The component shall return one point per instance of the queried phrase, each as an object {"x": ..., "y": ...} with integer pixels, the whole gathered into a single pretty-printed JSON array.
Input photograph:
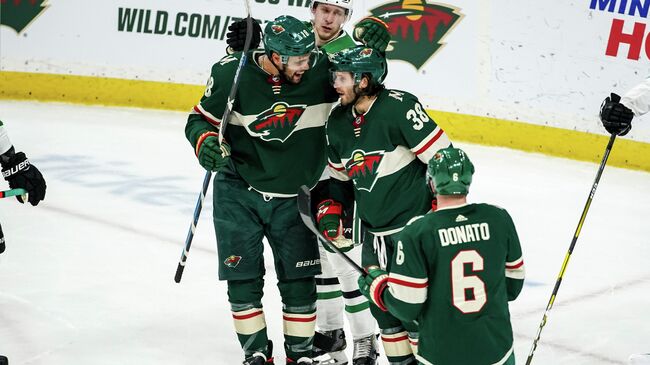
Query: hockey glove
[
  {"x": 372, "y": 32},
  {"x": 373, "y": 284},
  {"x": 616, "y": 117},
  {"x": 236, "y": 36},
  {"x": 212, "y": 156},
  {"x": 17, "y": 170},
  {"x": 331, "y": 225}
]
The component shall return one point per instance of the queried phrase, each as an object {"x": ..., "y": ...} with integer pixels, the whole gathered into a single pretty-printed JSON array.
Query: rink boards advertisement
[{"x": 482, "y": 67}]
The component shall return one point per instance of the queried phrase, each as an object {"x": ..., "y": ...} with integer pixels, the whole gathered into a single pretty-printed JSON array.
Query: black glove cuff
[{"x": 6, "y": 157}]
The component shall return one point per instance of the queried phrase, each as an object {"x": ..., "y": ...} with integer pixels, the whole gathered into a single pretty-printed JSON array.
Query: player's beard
[
  {"x": 355, "y": 95},
  {"x": 291, "y": 77}
]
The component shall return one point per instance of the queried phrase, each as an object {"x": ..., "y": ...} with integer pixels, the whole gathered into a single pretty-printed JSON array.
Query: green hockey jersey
[
  {"x": 385, "y": 152},
  {"x": 276, "y": 129},
  {"x": 454, "y": 270}
]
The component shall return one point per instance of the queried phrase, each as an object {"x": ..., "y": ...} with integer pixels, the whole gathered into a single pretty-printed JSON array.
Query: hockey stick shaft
[
  {"x": 304, "y": 208},
  {"x": 558, "y": 282},
  {"x": 222, "y": 130},
  {"x": 235, "y": 85},
  {"x": 190, "y": 232},
  {"x": 12, "y": 192}
]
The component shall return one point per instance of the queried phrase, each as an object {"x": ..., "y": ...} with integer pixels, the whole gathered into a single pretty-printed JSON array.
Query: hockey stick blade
[{"x": 304, "y": 208}]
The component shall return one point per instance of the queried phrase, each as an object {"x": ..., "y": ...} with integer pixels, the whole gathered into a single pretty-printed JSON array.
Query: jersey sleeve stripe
[
  {"x": 207, "y": 115},
  {"x": 408, "y": 280},
  {"x": 515, "y": 264},
  {"x": 429, "y": 141},
  {"x": 516, "y": 269},
  {"x": 412, "y": 290}
]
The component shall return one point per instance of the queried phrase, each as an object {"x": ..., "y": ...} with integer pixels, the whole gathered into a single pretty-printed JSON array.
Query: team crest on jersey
[
  {"x": 362, "y": 168},
  {"x": 232, "y": 261},
  {"x": 278, "y": 122},
  {"x": 417, "y": 28}
]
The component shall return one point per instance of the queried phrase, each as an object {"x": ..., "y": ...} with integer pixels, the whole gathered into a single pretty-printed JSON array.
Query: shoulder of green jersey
[
  {"x": 413, "y": 219},
  {"x": 402, "y": 97}
]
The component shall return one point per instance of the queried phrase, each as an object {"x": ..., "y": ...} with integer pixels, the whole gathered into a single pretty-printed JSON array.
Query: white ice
[{"x": 87, "y": 277}]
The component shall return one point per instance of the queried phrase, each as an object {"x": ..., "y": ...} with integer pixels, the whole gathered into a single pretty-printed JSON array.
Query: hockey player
[
  {"x": 616, "y": 113},
  {"x": 328, "y": 19},
  {"x": 454, "y": 271},
  {"x": 19, "y": 173},
  {"x": 337, "y": 285},
  {"x": 379, "y": 142},
  {"x": 274, "y": 144}
]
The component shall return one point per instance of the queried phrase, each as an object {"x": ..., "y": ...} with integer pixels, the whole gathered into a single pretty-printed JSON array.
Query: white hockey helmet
[{"x": 345, "y": 4}]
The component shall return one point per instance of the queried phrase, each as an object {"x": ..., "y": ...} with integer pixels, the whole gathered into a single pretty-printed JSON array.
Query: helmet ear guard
[{"x": 450, "y": 172}]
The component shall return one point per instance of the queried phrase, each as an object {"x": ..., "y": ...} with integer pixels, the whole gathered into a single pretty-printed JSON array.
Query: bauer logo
[
  {"x": 308, "y": 263},
  {"x": 362, "y": 168},
  {"x": 18, "y": 14},
  {"x": 232, "y": 261},
  {"x": 278, "y": 122},
  {"x": 417, "y": 28}
]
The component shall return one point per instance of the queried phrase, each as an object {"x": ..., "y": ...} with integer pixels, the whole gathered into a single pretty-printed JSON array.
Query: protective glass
[{"x": 300, "y": 62}]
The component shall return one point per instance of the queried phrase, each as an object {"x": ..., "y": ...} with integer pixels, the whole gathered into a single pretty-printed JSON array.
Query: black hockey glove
[
  {"x": 616, "y": 117},
  {"x": 236, "y": 36},
  {"x": 17, "y": 170}
]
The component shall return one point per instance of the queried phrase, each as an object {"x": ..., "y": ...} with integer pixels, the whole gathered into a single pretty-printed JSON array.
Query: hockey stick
[
  {"x": 222, "y": 130},
  {"x": 551, "y": 301},
  {"x": 12, "y": 192},
  {"x": 304, "y": 208}
]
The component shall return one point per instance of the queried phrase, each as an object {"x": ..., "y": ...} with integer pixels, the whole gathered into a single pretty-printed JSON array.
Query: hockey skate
[
  {"x": 259, "y": 358},
  {"x": 329, "y": 348},
  {"x": 365, "y": 351}
]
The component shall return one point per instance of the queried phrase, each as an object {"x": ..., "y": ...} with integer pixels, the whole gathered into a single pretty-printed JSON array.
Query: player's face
[
  {"x": 328, "y": 20},
  {"x": 295, "y": 67},
  {"x": 343, "y": 82}
]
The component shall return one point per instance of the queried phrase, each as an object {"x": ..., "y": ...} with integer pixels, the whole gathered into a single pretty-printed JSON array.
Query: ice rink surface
[{"x": 87, "y": 277}]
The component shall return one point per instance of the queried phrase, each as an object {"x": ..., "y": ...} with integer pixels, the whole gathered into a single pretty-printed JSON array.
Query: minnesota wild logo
[
  {"x": 18, "y": 14},
  {"x": 362, "y": 168},
  {"x": 278, "y": 122},
  {"x": 417, "y": 28},
  {"x": 277, "y": 29},
  {"x": 232, "y": 261}
]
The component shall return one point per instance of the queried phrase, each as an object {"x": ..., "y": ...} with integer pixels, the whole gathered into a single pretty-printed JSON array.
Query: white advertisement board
[{"x": 541, "y": 62}]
